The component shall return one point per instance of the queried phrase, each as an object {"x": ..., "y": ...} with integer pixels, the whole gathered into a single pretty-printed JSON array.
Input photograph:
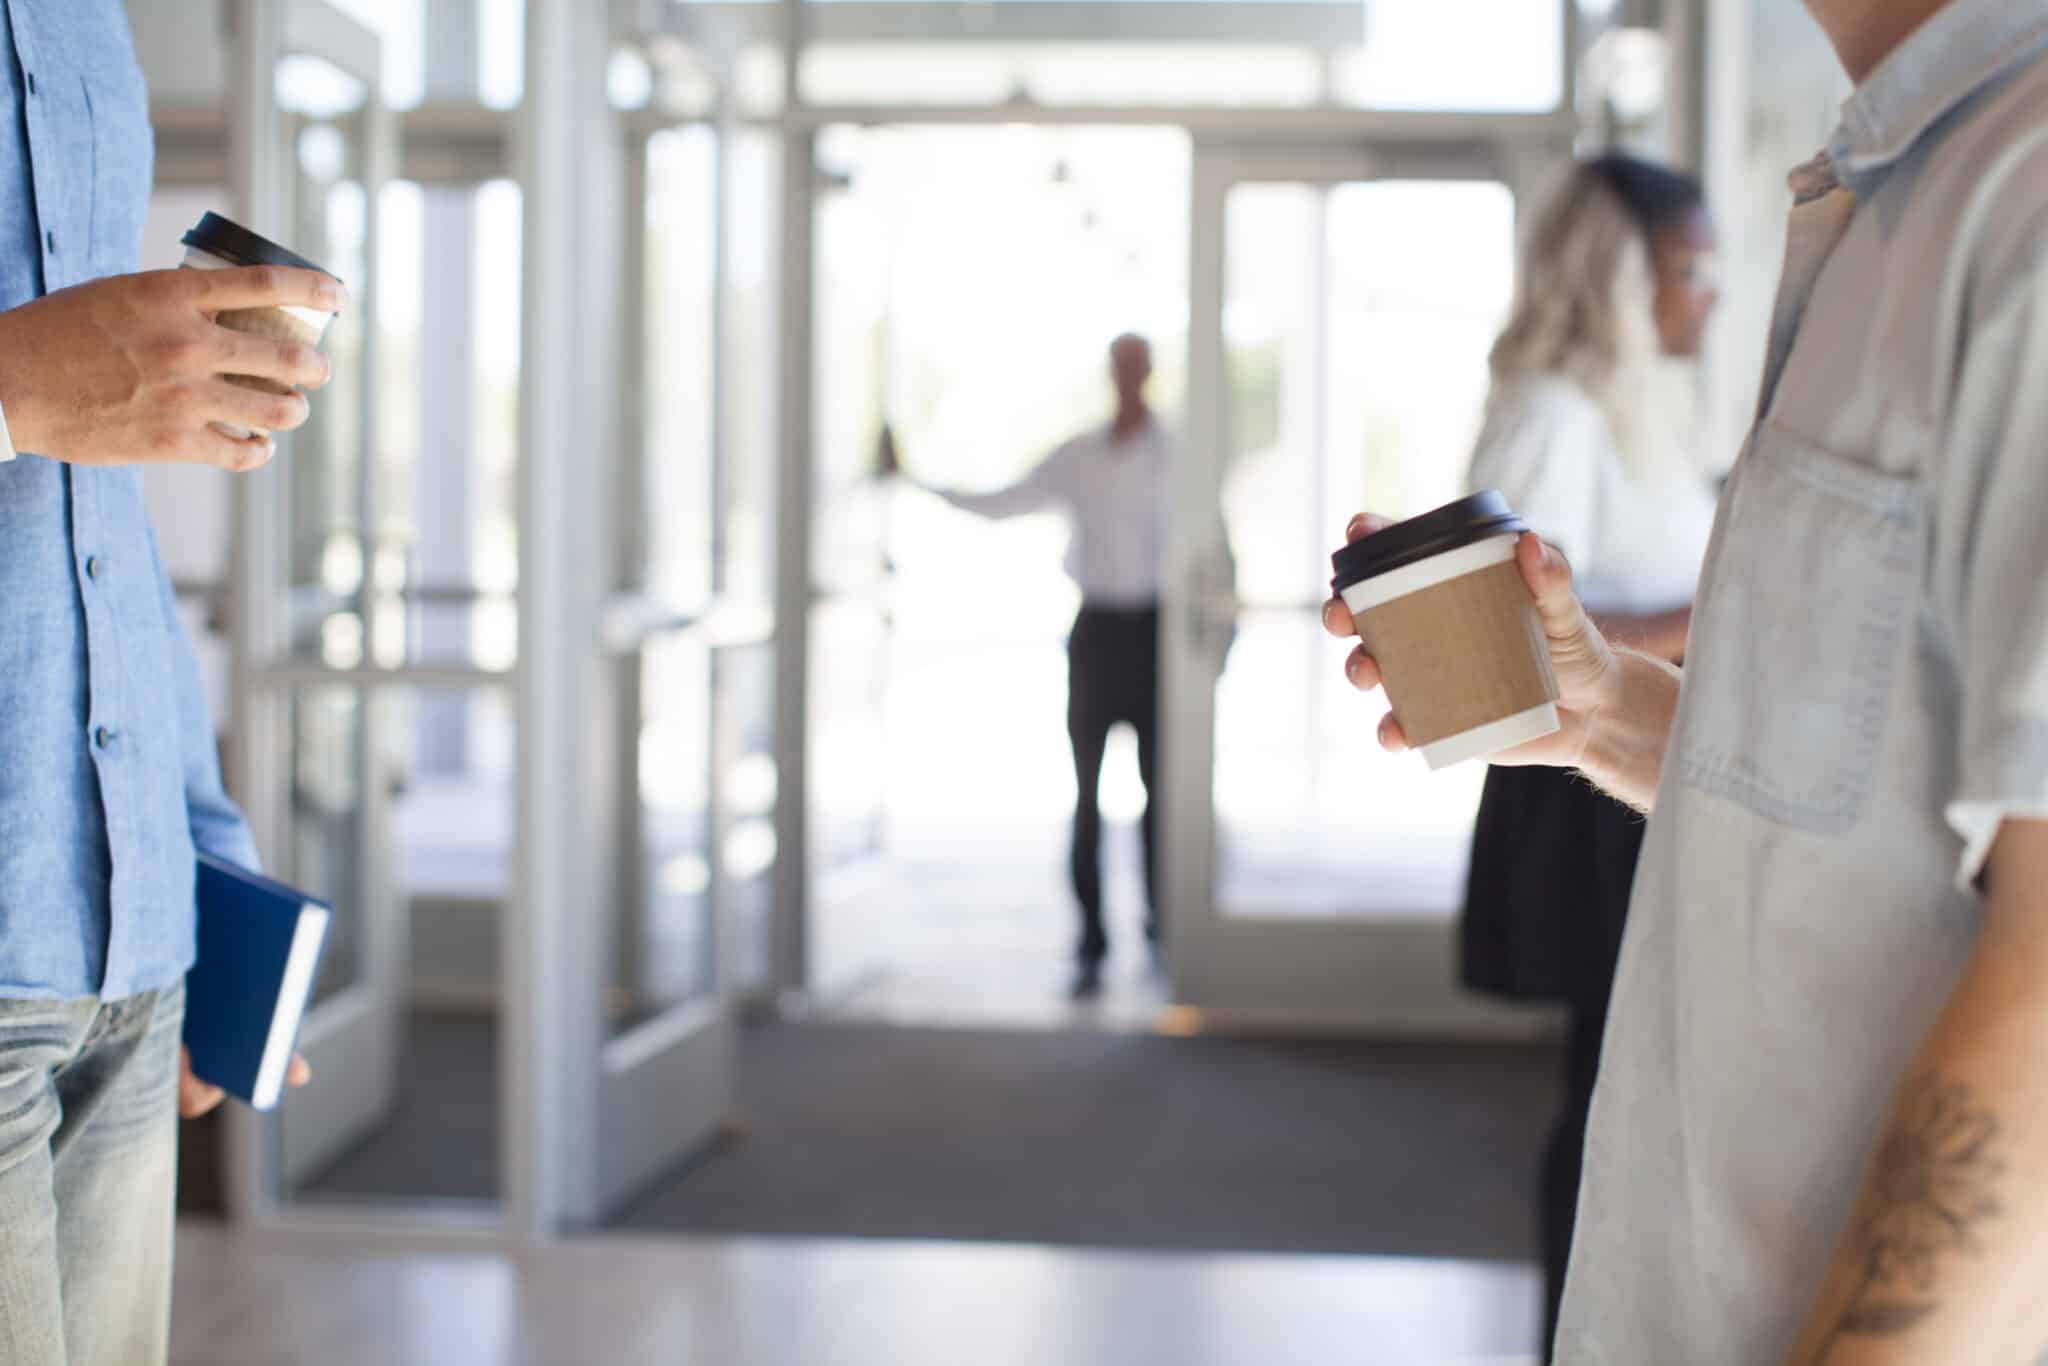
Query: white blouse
[{"x": 1635, "y": 544}]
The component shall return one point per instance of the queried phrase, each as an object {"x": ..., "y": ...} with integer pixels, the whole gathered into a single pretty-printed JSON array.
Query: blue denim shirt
[{"x": 108, "y": 776}]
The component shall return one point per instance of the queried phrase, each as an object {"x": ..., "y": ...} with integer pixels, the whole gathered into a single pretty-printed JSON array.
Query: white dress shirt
[
  {"x": 1635, "y": 542},
  {"x": 1114, "y": 495}
]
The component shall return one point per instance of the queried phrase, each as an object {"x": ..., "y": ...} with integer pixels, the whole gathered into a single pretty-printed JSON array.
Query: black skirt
[{"x": 1553, "y": 862}]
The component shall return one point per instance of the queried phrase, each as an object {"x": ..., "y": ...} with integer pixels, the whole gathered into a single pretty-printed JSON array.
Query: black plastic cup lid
[
  {"x": 1447, "y": 528},
  {"x": 229, "y": 240}
]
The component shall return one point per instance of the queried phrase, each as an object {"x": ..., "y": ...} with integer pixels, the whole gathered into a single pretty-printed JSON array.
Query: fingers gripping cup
[
  {"x": 217, "y": 243},
  {"x": 1440, "y": 604}
]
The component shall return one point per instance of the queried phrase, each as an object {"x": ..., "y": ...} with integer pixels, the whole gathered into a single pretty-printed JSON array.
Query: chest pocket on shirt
[{"x": 1802, "y": 624}]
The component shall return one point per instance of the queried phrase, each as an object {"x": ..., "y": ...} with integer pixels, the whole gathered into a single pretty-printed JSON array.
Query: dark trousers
[
  {"x": 1112, "y": 676},
  {"x": 1563, "y": 1159}
]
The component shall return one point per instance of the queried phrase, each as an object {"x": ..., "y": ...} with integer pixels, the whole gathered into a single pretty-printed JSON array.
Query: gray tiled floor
[{"x": 616, "y": 1301}]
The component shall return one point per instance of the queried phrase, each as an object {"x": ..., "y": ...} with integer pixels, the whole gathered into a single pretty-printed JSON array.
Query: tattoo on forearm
[{"x": 1934, "y": 1184}]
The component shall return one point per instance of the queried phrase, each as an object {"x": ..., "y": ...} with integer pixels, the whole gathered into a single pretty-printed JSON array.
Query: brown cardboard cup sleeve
[{"x": 1461, "y": 651}]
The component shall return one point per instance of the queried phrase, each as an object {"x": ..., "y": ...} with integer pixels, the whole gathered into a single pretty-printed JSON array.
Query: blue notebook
[{"x": 259, "y": 947}]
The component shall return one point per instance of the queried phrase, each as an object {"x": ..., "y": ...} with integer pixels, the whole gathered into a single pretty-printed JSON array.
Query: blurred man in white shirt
[{"x": 1111, "y": 483}]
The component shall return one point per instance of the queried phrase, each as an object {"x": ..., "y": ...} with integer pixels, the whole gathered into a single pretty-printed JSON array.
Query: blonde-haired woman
[{"x": 1583, "y": 436}]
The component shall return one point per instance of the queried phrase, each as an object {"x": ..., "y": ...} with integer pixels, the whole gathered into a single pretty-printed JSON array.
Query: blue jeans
[{"x": 88, "y": 1176}]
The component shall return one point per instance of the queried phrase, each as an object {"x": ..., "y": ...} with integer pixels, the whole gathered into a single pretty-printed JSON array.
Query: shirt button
[
  {"x": 103, "y": 737},
  {"x": 50, "y": 240},
  {"x": 92, "y": 566},
  {"x": 31, "y": 82}
]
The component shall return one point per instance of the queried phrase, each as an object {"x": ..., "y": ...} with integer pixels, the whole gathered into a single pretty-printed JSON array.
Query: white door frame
[
  {"x": 352, "y": 1037},
  {"x": 582, "y": 1118},
  {"x": 665, "y": 1086},
  {"x": 1391, "y": 976}
]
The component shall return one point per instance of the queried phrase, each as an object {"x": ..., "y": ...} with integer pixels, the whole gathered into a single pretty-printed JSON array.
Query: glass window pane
[
  {"x": 415, "y": 859},
  {"x": 1421, "y": 54},
  {"x": 501, "y": 42},
  {"x": 1068, "y": 236},
  {"x": 696, "y": 920},
  {"x": 1357, "y": 324},
  {"x": 662, "y": 929},
  {"x": 419, "y": 564},
  {"x": 326, "y": 546},
  {"x": 398, "y": 23},
  {"x": 679, "y": 321},
  {"x": 329, "y": 854},
  {"x": 745, "y": 828},
  {"x": 749, "y": 379}
]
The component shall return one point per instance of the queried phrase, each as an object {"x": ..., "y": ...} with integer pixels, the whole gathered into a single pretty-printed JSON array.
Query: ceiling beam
[{"x": 1307, "y": 23}]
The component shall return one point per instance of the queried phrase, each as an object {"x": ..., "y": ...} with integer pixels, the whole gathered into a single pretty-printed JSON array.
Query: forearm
[
  {"x": 1945, "y": 1256},
  {"x": 995, "y": 504},
  {"x": 1626, "y": 736},
  {"x": 1662, "y": 634}
]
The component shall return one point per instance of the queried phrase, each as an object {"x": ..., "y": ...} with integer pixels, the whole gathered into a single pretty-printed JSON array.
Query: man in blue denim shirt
[{"x": 108, "y": 777}]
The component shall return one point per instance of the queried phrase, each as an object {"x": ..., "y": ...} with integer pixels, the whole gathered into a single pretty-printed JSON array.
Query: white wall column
[
  {"x": 789, "y": 938},
  {"x": 566, "y": 142},
  {"x": 445, "y": 475}
]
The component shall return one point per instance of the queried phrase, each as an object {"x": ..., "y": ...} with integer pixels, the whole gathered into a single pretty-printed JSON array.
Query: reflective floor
[
  {"x": 980, "y": 934},
  {"x": 616, "y": 1301}
]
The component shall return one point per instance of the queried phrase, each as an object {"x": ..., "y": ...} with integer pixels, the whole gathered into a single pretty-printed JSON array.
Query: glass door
[
  {"x": 312, "y": 144},
  {"x": 858, "y": 390},
  {"x": 688, "y": 645},
  {"x": 1344, "y": 301}
]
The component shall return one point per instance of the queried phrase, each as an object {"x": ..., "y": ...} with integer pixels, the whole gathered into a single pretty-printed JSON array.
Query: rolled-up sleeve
[{"x": 1991, "y": 564}]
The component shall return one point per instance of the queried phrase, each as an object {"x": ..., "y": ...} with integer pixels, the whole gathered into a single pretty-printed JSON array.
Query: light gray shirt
[{"x": 1866, "y": 699}]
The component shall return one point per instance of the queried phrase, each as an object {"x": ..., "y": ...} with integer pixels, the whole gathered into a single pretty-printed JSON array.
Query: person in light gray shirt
[{"x": 1820, "y": 1132}]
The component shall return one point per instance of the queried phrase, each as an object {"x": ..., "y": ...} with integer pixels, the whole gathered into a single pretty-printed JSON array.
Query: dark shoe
[{"x": 1087, "y": 981}]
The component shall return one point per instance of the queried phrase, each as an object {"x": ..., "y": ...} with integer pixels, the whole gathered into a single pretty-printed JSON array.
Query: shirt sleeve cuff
[
  {"x": 2004, "y": 777},
  {"x": 1978, "y": 824},
  {"x": 227, "y": 840}
]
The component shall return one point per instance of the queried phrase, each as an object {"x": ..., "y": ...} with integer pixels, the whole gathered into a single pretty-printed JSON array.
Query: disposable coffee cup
[
  {"x": 217, "y": 243},
  {"x": 1440, "y": 604}
]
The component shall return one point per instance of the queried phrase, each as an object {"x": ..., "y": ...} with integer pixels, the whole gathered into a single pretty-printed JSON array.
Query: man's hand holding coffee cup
[
  {"x": 1587, "y": 669},
  {"x": 134, "y": 368}
]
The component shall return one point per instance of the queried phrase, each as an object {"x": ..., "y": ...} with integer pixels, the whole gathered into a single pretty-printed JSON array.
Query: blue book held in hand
[{"x": 259, "y": 947}]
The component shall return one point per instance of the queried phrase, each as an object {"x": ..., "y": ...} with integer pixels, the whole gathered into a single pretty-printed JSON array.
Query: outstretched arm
[{"x": 1043, "y": 487}]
